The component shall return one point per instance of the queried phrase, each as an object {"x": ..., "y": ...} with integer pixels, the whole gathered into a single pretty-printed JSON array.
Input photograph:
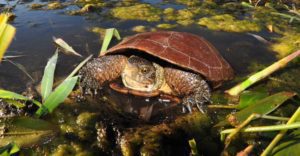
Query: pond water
[{"x": 35, "y": 29}]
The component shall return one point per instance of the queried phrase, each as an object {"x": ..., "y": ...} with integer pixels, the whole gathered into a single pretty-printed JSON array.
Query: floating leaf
[
  {"x": 107, "y": 38},
  {"x": 262, "y": 107},
  {"x": 7, "y": 33},
  {"x": 4, "y": 94},
  {"x": 48, "y": 77},
  {"x": 25, "y": 131},
  {"x": 57, "y": 96},
  {"x": 250, "y": 97},
  {"x": 65, "y": 47}
]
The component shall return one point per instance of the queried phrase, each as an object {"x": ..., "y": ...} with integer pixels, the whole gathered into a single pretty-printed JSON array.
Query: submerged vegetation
[
  {"x": 99, "y": 125},
  {"x": 228, "y": 23},
  {"x": 137, "y": 12}
]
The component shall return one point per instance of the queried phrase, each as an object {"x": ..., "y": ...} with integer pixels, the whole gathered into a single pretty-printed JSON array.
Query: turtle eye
[{"x": 144, "y": 70}]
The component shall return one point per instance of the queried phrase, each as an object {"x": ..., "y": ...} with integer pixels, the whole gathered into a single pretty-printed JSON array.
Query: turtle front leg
[
  {"x": 101, "y": 70},
  {"x": 190, "y": 86}
]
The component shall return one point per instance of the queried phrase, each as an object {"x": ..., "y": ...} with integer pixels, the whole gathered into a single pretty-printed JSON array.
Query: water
[{"x": 35, "y": 29}]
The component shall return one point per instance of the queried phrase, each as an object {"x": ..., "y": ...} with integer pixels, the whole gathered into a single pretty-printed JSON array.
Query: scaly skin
[
  {"x": 102, "y": 70},
  {"x": 190, "y": 86}
]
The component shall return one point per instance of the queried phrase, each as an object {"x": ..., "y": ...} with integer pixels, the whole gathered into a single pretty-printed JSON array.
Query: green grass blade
[
  {"x": 109, "y": 33},
  {"x": 116, "y": 34},
  {"x": 21, "y": 67},
  {"x": 57, "y": 96},
  {"x": 79, "y": 66},
  {"x": 48, "y": 77},
  {"x": 5, "y": 94}
]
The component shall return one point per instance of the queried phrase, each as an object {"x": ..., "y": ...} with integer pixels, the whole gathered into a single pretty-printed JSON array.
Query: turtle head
[{"x": 142, "y": 75}]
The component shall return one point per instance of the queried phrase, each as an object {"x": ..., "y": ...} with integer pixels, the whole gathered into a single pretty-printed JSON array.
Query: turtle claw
[
  {"x": 189, "y": 108},
  {"x": 183, "y": 109},
  {"x": 201, "y": 108}
]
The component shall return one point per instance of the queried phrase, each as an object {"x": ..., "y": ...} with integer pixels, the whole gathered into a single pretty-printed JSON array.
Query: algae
[
  {"x": 288, "y": 43},
  {"x": 166, "y": 26},
  {"x": 189, "y": 2},
  {"x": 36, "y": 6},
  {"x": 229, "y": 23},
  {"x": 55, "y": 5},
  {"x": 145, "y": 12},
  {"x": 139, "y": 28}
]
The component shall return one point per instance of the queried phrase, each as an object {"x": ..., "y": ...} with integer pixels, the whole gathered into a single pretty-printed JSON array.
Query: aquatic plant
[
  {"x": 109, "y": 33},
  {"x": 7, "y": 32},
  {"x": 228, "y": 23},
  {"x": 262, "y": 74},
  {"x": 288, "y": 43},
  {"x": 144, "y": 12}
]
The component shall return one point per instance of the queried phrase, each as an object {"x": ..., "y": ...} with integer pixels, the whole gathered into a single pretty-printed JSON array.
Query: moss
[
  {"x": 85, "y": 9},
  {"x": 288, "y": 43},
  {"x": 286, "y": 79},
  {"x": 186, "y": 22},
  {"x": 264, "y": 16},
  {"x": 169, "y": 14},
  {"x": 55, "y": 5},
  {"x": 166, "y": 26},
  {"x": 183, "y": 16},
  {"x": 86, "y": 119},
  {"x": 139, "y": 28},
  {"x": 97, "y": 2},
  {"x": 98, "y": 30},
  {"x": 36, "y": 6},
  {"x": 229, "y": 23},
  {"x": 143, "y": 12},
  {"x": 65, "y": 128},
  {"x": 64, "y": 150},
  {"x": 189, "y": 2},
  {"x": 70, "y": 150}
]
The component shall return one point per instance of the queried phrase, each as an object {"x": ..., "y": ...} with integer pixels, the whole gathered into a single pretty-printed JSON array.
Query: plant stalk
[
  {"x": 262, "y": 74},
  {"x": 281, "y": 133}
]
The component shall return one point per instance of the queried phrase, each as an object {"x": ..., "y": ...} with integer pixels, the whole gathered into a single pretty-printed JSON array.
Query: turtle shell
[{"x": 183, "y": 49}]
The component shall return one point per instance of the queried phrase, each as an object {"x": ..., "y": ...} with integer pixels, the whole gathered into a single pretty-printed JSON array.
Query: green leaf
[
  {"x": 107, "y": 38},
  {"x": 9, "y": 149},
  {"x": 25, "y": 131},
  {"x": 48, "y": 77},
  {"x": 65, "y": 47},
  {"x": 262, "y": 107},
  {"x": 15, "y": 103},
  {"x": 7, "y": 33},
  {"x": 5, "y": 94},
  {"x": 21, "y": 67},
  {"x": 289, "y": 145},
  {"x": 57, "y": 96},
  {"x": 250, "y": 97},
  {"x": 79, "y": 66}
]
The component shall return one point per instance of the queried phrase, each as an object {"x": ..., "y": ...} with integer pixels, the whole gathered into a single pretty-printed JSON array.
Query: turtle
[{"x": 178, "y": 64}]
